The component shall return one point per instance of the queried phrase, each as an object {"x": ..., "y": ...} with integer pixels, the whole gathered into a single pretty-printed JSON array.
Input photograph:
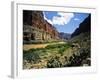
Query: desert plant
[{"x": 53, "y": 62}]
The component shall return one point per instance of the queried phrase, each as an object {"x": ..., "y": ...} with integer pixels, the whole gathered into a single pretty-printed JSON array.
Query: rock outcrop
[{"x": 36, "y": 28}]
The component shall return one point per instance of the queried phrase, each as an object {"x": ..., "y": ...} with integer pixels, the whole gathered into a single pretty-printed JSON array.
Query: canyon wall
[{"x": 36, "y": 28}]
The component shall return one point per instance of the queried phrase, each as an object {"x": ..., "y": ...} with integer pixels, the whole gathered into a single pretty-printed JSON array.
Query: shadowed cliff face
[
  {"x": 85, "y": 26},
  {"x": 27, "y": 17},
  {"x": 32, "y": 16}
]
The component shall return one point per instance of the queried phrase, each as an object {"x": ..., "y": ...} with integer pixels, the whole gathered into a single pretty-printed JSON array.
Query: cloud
[
  {"x": 60, "y": 18},
  {"x": 76, "y": 19},
  {"x": 48, "y": 20}
]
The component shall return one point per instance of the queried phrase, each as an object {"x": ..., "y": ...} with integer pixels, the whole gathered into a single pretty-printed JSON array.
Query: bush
[
  {"x": 54, "y": 63},
  {"x": 31, "y": 56},
  {"x": 77, "y": 59}
]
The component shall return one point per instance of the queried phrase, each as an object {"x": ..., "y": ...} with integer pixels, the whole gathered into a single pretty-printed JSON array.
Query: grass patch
[{"x": 33, "y": 55}]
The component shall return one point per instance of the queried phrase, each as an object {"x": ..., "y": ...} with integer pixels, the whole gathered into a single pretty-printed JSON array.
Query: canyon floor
[
  {"x": 72, "y": 53},
  {"x": 30, "y": 46}
]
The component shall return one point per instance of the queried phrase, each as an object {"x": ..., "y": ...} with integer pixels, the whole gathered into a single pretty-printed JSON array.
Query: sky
[{"x": 64, "y": 21}]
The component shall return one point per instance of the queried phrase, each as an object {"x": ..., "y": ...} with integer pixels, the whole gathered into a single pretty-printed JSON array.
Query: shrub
[
  {"x": 31, "y": 56},
  {"x": 77, "y": 59},
  {"x": 53, "y": 63}
]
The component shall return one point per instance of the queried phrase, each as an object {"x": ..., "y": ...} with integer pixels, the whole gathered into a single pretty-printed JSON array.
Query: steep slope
[
  {"x": 85, "y": 26},
  {"x": 36, "y": 29}
]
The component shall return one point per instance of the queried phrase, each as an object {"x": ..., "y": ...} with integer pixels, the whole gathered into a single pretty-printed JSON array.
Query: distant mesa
[{"x": 65, "y": 36}]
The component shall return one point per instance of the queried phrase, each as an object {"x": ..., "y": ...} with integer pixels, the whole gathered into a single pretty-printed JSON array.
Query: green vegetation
[
  {"x": 82, "y": 57},
  {"x": 34, "y": 56},
  {"x": 75, "y": 52},
  {"x": 39, "y": 42}
]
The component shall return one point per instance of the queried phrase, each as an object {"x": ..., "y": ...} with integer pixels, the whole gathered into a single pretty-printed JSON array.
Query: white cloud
[
  {"x": 76, "y": 19},
  {"x": 48, "y": 20},
  {"x": 61, "y": 18}
]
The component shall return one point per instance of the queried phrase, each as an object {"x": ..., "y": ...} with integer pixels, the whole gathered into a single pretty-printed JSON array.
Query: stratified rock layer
[{"x": 36, "y": 28}]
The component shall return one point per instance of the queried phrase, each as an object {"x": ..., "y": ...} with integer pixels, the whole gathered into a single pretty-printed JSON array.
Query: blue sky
[{"x": 65, "y": 22}]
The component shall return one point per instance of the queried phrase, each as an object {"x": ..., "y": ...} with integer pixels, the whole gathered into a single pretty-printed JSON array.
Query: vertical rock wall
[{"x": 36, "y": 28}]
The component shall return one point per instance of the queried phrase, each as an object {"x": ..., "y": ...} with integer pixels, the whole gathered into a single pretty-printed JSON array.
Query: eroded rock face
[{"x": 36, "y": 28}]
